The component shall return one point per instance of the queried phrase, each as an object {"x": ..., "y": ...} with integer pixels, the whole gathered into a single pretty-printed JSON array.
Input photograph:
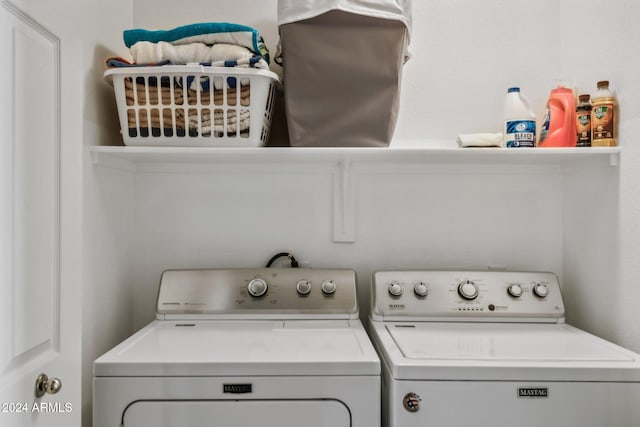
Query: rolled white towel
[{"x": 480, "y": 140}]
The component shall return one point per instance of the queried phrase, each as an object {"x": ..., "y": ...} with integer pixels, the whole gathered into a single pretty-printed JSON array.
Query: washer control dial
[
  {"x": 257, "y": 287},
  {"x": 303, "y": 287},
  {"x": 328, "y": 287},
  {"x": 541, "y": 290},
  {"x": 468, "y": 290},
  {"x": 395, "y": 289},
  {"x": 515, "y": 290},
  {"x": 421, "y": 289}
]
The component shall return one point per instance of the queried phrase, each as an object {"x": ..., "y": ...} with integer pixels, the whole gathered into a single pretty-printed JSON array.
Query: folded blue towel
[{"x": 206, "y": 32}]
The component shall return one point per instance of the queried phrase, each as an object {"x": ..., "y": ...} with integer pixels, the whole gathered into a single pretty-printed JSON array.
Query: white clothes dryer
[
  {"x": 486, "y": 348},
  {"x": 237, "y": 347}
]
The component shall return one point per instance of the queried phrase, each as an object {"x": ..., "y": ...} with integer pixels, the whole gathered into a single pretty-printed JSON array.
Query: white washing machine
[
  {"x": 491, "y": 349},
  {"x": 240, "y": 347}
]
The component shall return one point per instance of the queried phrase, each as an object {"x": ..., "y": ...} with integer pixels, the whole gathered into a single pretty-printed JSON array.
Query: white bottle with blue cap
[{"x": 519, "y": 121}]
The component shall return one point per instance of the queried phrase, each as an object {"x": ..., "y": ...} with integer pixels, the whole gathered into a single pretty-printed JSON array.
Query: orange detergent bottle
[{"x": 559, "y": 126}]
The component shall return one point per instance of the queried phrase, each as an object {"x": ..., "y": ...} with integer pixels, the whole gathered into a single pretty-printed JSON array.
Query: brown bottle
[
  {"x": 603, "y": 117},
  {"x": 583, "y": 121}
]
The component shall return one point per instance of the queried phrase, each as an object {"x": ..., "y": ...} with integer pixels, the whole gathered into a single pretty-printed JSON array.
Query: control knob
[
  {"x": 541, "y": 290},
  {"x": 303, "y": 287},
  {"x": 395, "y": 289},
  {"x": 515, "y": 290},
  {"x": 257, "y": 287},
  {"x": 328, "y": 287},
  {"x": 468, "y": 290},
  {"x": 421, "y": 289}
]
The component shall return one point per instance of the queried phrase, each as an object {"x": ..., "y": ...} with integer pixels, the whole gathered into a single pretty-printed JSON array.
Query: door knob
[{"x": 44, "y": 384}]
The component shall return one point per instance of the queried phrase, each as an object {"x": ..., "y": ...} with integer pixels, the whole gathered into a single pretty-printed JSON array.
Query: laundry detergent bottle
[
  {"x": 519, "y": 121},
  {"x": 559, "y": 126}
]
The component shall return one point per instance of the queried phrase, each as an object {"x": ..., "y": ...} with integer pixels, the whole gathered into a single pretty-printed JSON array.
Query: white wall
[
  {"x": 466, "y": 54},
  {"x": 240, "y": 215},
  {"x": 602, "y": 267},
  {"x": 107, "y": 200}
]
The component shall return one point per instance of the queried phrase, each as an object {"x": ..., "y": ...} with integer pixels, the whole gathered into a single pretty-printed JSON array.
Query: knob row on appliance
[
  {"x": 420, "y": 289},
  {"x": 258, "y": 287},
  {"x": 466, "y": 295},
  {"x": 469, "y": 290}
]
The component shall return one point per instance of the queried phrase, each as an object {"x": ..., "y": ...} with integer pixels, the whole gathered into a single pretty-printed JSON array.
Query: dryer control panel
[
  {"x": 262, "y": 293},
  {"x": 467, "y": 296}
]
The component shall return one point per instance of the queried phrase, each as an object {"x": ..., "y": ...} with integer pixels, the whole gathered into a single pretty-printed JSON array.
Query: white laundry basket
[{"x": 194, "y": 105}]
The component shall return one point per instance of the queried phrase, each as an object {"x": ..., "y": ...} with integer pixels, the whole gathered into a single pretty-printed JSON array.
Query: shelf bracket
[
  {"x": 344, "y": 203},
  {"x": 614, "y": 158}
]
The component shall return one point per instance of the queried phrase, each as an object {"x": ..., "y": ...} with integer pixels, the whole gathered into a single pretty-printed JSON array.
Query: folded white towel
[
  {"x": 480, "y": 140},
  {"x": 153, "y": 53}
]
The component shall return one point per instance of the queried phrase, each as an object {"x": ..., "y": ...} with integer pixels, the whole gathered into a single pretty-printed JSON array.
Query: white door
[{"x": 40, "y": 214}]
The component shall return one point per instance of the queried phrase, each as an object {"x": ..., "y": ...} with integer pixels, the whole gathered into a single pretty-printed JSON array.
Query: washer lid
[
  {"x": 241, "y": 348},
  {"x": 497, "y": 342},
  {"x": 502, "y": 351}
]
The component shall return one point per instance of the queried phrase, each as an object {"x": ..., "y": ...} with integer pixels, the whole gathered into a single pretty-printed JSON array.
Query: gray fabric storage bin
[{"x": 342, "y": 74}]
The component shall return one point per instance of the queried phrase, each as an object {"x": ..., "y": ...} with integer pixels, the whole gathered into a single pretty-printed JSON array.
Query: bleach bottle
[{"x": 519, "y": 121}]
